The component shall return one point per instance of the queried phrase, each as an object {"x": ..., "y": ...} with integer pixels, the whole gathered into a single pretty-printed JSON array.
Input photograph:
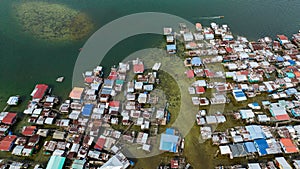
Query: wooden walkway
[{"x": 5, "y": 108}]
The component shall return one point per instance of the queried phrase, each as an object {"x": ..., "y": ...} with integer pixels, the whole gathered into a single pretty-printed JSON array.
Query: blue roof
[
  {"x": 106, "y": 91},
  {"x": 291, "y": 91},
  {"x": 108, "y": 82},
  {"x": 87, "y": 109},
  {"x": 196, "y": 61},
  {"x": 239, "y": 94},
  {"x": 280, "y": 59},
  {"x": 168, "y": 142},
  {"x": 261, "y": 146},
  {"x": 292, "y": 62},
  {"x": 255, "y": 132},
  {"x": 255, "y": 104},
  {"x": 171, "y": 47},
  {"x": 250, "y": 147},
  {"x": 170, "y": 131}
]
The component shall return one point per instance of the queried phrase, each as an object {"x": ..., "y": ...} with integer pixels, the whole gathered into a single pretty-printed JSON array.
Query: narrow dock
[{"x": 5, "y": 108}]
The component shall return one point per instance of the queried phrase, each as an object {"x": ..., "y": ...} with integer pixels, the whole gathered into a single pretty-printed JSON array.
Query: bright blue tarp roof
[
  {"x": 261, "y": 145},
  {"x": 87, "y": 109}
]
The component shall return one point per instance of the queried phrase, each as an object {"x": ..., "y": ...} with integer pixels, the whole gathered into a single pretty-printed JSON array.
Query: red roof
[
  {"x": 228, "y": 49},
  {"x": 138, "y": 68},
  {"x": 114, "y": 104},
  {"x": 112, "y": 75},
  {"x": 190, "y": 73},
  {"x": 289, "y": 146},
  {"x": 174, "y": 164},
  {"x": 89, "y": 79},
  {"x": 282, "y": 37},
  {"x": 297, "y": 74},
  {"x": 244, "y": 72},
  {"x": 283, "y": 117},
  {"x": 40, "y": 90},
  {"x": 100, "y": 143},
  {"x": 208, "y": 73},
  {"x": 200, "y": 89},
  {"x": 28, "y": 130},
  {"x": 9, "y": 118},
  {"x": 7, "y": 142}
]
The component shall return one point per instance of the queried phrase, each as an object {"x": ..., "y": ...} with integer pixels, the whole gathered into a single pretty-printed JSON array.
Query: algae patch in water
[{"x": 53, "y": 21}]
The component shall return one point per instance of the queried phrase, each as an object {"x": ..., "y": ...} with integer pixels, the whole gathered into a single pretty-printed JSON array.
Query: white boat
[
  {"x": 60, "y": 79},
  {"x": 13, "y": 101}
]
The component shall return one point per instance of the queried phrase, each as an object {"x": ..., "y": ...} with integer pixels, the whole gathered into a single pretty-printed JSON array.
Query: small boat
[
  {"x": 60, "y": 79},
  {"x": 13, "y": 100}
]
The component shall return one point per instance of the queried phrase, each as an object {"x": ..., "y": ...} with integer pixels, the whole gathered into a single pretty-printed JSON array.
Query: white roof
[
  {"x": 240, "y": 78},
  {"x": 140, "y": 121},
  {"x": 283, "y": 163},
  {"x": 142, "y": 98},
  {"x": 253, "y": 64},
  {"x": 156, "y": 66},
  {"x": 254, "y": 166},
  {"x": 200, "y": 83},
  {"x": 144, "y": 138},
  {"x": 211, "y": 119},
  {"x": 248, "y": 113},
  {"x": 188, "y": 36},
  {"x": 74, "y": 114},
  {"x": 58, "y": 152},
  {"x": 232, "y": 66},
  {"x": 263, "y": 118},
  {"x": 138, "y": 85},
  {"x": 244, "y": 55},
  {"x": 160, "y": 114},
  {"x": 17, "y": 150},
  {"x": 49, "y": 120},
  {"x": 225, "y": 150},
  {"x": 37, "y": 111},
  {"x": 2, "y": 115},
  {"x": 75, "y": 147},
  {"x": 50, "y": 99}
]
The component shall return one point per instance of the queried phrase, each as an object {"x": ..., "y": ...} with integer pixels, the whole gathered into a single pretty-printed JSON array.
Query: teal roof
[
  {"x": 56, "y": 162},
  {"x": 290, "y": 75},
  {"x": 119, "y": 81}
]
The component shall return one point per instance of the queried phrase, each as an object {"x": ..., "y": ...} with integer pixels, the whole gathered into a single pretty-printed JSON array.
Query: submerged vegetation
[{"x": 53, "y": 21}]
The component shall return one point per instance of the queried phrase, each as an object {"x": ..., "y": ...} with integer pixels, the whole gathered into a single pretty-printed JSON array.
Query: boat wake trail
[{"x": 210, "y": 17}]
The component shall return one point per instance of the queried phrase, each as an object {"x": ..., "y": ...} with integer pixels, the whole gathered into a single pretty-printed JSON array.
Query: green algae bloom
[{"x": 54, "y": 22}]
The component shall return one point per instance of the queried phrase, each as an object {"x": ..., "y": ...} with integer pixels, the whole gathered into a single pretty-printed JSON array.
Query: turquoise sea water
[{"x": 25, "y": 60}]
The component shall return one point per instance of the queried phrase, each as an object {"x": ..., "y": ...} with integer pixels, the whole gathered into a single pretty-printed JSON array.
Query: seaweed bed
[{"x": 53, "y": 21}]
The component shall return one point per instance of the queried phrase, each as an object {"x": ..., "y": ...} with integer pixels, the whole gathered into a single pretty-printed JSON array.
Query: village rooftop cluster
[
  {"x": 250, "y": 69},
  {"x": 79, "y": 133}
]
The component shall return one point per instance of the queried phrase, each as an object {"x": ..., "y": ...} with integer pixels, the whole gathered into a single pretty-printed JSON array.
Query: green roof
[{"x": 56, "y": 162}]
